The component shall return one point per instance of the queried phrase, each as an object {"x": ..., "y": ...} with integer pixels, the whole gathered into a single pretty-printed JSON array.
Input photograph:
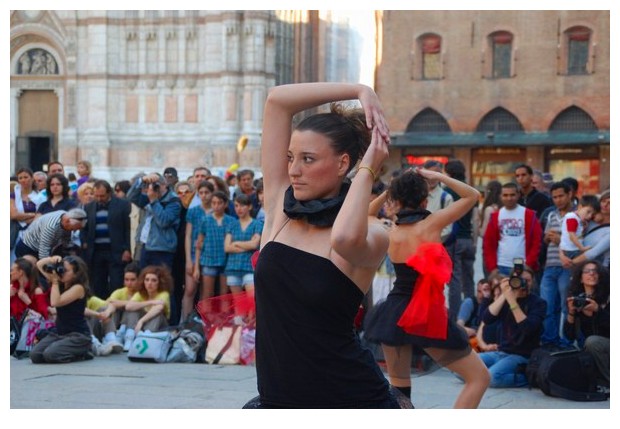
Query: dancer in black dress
[
  {"x": 319, "y": 250},
  {"x": 417, "y": 315}
]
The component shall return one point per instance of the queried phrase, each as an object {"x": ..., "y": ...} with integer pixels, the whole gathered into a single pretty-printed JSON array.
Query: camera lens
[
  {"x": 515, "y": 282},
  {"x": 60, "y": 269}
]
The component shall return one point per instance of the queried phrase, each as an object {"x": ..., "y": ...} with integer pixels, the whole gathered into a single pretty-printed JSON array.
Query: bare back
[{"x": 405, "y": 239}]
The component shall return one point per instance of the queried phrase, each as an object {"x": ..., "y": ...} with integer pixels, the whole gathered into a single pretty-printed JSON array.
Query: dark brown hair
[{"x": 345, "y": 127}]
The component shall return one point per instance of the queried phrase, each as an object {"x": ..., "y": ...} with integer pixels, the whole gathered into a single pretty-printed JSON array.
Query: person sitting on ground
[
  {"x": 149, "y": 308},
  {"x": 469, "y": 314},
  {"x": 588, "y": 319},
  {"x": 69, "y": 290},
  {"x": 487, "y": 336},
  {"x": 99, "y": 315},
  {"x": 520, "y": 314},
  {"x": 121, "y": 296},
  {"x": 25, "y": 293}
]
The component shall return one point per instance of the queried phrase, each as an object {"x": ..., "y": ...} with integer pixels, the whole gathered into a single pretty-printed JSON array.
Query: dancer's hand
[
  {"x": 428, "y": 174},
  {"x": 376, "y": 153},
  {"x": 374, "y": 112}
]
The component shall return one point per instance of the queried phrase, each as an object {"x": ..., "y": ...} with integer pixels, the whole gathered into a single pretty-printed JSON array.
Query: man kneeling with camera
[{"x": 520, "y": 315}]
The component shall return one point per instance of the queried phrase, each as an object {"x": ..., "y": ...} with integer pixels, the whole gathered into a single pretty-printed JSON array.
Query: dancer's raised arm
[{"x": 283, "y": 102}]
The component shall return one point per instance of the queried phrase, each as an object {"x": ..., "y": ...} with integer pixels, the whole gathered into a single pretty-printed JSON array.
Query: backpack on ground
[
  {"x": 31, "y": 323},
  {"x": 568, "y": 374},
  {"x": 150, "y": 347}
]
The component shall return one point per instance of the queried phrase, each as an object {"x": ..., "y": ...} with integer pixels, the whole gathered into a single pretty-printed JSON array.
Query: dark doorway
[
  {"x": 34, "y": 151},
  {"x": 39, "y": 152}
]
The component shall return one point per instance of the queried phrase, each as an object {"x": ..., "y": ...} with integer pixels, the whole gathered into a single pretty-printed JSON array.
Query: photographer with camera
[
  {"x": 588, "y": 313},
  {"x": 520, "y": 315},
  {"x": 157, "y": 230},
  {"x": 70, "y": 341}
]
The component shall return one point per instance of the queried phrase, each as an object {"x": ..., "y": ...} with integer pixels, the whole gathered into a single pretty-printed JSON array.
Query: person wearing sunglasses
[{"x": 588, "y": 317}]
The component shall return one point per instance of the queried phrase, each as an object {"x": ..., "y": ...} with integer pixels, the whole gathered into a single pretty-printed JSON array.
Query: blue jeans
[
  {"x": 554, "y": 290},
  {"x": 504, "y": 271},
  {"x": 505, "y": 369},
  {"x": 155, "y": 257}
]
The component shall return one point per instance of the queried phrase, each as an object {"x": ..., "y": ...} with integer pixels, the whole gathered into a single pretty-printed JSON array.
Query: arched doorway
[{"x": 37, "y": 129}]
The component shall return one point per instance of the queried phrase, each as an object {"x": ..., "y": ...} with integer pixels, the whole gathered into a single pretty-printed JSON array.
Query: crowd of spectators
[
  {"x": 105, "y": 261},
  {"x": 149, "y": 248}
]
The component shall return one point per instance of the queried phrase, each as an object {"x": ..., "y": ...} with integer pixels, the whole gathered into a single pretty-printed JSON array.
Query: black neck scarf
[
  {"x": 407, "y": 216},
  {"x": 320, "y": 212}
]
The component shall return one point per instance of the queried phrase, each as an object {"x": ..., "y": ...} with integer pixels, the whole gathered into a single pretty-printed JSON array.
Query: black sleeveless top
[
  {"x": 307, "y": 353},
  {"x": 70, "y": 318}
]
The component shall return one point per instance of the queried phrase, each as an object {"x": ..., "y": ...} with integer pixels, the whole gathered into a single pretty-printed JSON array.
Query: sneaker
[
  {"x": 128, "y": 343},
  {"x": 120, "y": 334},
  {"x": 105, "y": 349},
  {"x": 116, "y": 347},
  {"x": 94, "y": 349}
]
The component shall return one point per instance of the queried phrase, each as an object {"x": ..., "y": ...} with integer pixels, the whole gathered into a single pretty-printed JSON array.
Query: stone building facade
[
  {"x": 142, "y": 90},
  {"x": 497, "y": 88}
]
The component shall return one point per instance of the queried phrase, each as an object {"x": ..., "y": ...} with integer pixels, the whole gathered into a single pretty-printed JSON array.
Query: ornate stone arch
[{"x": 39, "y": 59}]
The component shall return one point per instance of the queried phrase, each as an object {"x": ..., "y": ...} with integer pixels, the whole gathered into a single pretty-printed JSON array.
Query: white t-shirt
[
  {"x": 570, "y": 222},
  {"x": 433, "y": 204},
  {"x": 511, "y": 244}
]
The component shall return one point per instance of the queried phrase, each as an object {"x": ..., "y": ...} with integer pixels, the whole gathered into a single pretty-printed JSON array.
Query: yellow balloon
[
  {"x": 242, "y": 143},
  {"x": 233, "y": 167}
]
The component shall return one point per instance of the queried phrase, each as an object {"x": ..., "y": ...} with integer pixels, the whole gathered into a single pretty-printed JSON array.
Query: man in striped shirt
[{"x": 48, "y": 231}]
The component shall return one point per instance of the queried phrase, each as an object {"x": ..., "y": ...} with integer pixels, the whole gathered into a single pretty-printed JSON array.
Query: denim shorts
[
  {"x": 212, "y": 271},
  {"x": 240, "y": 279}
]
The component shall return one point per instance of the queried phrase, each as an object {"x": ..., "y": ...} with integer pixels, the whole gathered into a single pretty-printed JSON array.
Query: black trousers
[{"x": 106, "y": 272}]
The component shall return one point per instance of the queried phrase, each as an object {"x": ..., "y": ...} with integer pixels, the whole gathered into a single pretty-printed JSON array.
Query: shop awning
[{"x": 550, "y": 138}]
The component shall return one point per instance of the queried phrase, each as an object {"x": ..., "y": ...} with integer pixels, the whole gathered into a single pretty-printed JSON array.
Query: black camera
[
  {"x": 155, "y": 186},
  {"x": 515, "y": 281},
  {"x": 580, "y": 301},
  {"x": 57, "y": 267}
]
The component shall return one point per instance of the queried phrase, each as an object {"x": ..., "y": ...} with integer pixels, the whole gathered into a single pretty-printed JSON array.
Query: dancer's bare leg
[
  {"x": 398, "y": 361},
  {"x": 473, "y": 372}
]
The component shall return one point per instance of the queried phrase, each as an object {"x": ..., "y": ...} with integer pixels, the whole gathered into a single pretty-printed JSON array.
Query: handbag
[
  {"x": 223, "y": 346},
  {"x": 150, "y": 347},
  {"x": 31, "y": 323}
]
